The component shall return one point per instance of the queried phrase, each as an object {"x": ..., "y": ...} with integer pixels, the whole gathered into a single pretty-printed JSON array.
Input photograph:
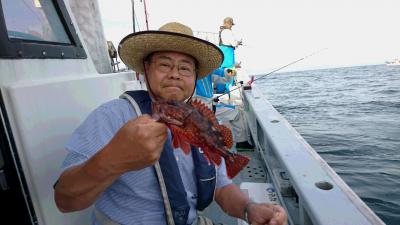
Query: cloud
[{"x": 276, "y": 32}]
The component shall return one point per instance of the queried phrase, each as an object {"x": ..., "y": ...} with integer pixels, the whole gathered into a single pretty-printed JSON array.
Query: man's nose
[{"x": 174, "y": 73}]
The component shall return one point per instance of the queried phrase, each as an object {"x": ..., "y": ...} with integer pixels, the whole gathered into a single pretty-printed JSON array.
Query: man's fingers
[
  {"x": 161, "y": 136},
  {"x": 268, "y": 214},
  {"x": 156, "y": 130},
  {"x": 153, "y": 120},
  {"x": 279, "y": 217},
  {"x": 156, "y": 117},
  {"x": 261, "y": 214},
  {"x": 145, "y": 118}
]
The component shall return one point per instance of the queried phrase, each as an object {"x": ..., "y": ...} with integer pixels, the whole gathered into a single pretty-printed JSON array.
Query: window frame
[{"x": 19, "y": 48}]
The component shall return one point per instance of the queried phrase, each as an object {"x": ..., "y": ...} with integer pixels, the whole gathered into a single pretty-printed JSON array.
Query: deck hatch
[{"x": 254, "y": 172}]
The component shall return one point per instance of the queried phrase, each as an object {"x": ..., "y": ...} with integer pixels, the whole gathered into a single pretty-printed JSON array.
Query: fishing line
[{"x": 216, "y": 99}]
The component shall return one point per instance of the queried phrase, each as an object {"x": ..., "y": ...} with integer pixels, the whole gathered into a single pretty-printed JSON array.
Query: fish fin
[
  {"x": 213, "y": 156},
  {"x": 235, "y": 163},
  {"x": 207, "y": 157},
  {"x": 178, "y": 141},
  {"x": 175, "y": 137},
  {"x": 227, "y": 135},
  {"x": 175, "y": 142},
  {"x": 185, "y": 147},
  {"x": 204, "y": 110}
]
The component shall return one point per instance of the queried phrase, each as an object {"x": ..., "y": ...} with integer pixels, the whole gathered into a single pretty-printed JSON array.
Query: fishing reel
[
  {"x": 233, "y": 72},
  {"x": 214, "y": 104}
]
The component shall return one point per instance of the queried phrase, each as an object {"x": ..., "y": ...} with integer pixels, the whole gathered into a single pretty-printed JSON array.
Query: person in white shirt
[
  {"x": 227, "y": 43},
  {"x": 227, "y": 37}
]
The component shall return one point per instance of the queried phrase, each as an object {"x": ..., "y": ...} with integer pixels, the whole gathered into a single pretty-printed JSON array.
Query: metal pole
[
  {"x": 145, "y": 14},
  {"x": 133, "y": 15}
]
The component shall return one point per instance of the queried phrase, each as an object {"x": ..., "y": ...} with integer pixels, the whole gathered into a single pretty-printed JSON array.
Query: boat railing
[
  {"x": 308, "y": 188},
  {"x": 208, "y": 36}
]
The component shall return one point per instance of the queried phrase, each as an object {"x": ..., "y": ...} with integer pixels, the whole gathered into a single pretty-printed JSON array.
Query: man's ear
[{"x": 145, "y": 66}]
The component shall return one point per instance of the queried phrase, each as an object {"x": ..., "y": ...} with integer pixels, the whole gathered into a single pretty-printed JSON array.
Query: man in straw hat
[{"x": 117, "y": 155}]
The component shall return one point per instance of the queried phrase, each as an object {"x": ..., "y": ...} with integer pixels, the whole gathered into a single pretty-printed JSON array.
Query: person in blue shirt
[
  {"x": 205, "y": 86},
  {"x": 121, "y": 160},
  {"x": 224, "y": 112}
]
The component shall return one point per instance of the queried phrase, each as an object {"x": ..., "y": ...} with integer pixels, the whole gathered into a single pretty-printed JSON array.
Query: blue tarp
[
  {"x": 229, "y": 62},
  {"x": 204, "y": 87},
  {"x": 229, "y": 56}
]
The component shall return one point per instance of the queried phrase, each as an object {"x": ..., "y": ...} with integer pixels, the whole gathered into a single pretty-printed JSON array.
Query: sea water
[{"x": 351, "y": 117}]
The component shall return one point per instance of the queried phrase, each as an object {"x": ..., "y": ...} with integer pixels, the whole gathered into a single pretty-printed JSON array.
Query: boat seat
[{"x": 260, "y": 193}]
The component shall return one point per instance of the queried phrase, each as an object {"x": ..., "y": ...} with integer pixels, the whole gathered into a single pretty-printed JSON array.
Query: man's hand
[
  {"x": 257, "y": 213},
  {"x": 238, "y": 65},
  {"x": 138, "y": 144},
  {"x": 266, "y": 214}
]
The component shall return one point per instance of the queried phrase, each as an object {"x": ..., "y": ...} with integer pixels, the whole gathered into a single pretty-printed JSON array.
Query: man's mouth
[{"x": 173, "y": 87}]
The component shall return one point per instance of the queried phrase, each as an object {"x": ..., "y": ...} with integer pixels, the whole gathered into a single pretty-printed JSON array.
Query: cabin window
[
  {"x": 37, "y": 29},
  {"x": 33, "y": 20}
]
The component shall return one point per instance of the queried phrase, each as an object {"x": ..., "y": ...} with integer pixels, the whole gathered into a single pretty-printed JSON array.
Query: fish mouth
[{"x": 170, "y": 120}]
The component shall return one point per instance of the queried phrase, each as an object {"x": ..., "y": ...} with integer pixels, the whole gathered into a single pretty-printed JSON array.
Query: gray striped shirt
[{"x": 135, "y": 197}]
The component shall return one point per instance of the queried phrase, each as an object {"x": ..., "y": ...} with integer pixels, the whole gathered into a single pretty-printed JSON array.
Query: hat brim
[{"x": 135, "y": 47}]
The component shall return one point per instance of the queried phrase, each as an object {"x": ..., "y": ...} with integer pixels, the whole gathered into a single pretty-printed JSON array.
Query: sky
[{"x": 276, "y": 33}]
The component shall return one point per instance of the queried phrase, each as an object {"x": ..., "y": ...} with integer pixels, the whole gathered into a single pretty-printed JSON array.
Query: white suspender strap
[
  {"x": 168, "y": 210},
  {"x": 170, "y": 217},
  {"x": 133, "y": 103}
]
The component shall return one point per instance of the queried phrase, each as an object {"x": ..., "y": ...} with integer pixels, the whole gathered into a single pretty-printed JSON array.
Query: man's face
[{"x": 171, "y": 75}]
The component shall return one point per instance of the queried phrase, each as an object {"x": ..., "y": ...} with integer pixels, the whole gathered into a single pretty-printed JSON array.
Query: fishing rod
[{"x": 216, "y": 99}]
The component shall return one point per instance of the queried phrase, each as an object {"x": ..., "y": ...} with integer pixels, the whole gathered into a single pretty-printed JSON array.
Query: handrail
[{"x": 324, "y": 196}]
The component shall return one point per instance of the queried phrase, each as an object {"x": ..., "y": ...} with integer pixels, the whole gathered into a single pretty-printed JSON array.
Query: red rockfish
[{"x": 195, "y": 124}]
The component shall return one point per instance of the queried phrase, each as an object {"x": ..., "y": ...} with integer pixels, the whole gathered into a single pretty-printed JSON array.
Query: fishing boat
[
  {"x": 395, "y": 62},
  {"x": 55, "y": 69}
]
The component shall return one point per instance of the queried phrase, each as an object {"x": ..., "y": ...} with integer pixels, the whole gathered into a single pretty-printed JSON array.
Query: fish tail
[{"x": 235, "y": 163}]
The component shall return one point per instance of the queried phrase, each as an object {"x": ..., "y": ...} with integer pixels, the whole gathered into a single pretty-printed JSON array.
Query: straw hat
[{"x": 170, "y": 37}]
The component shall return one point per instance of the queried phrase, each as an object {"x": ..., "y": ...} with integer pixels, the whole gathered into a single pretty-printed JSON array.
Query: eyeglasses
[{"x": 166, "y": 66}]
